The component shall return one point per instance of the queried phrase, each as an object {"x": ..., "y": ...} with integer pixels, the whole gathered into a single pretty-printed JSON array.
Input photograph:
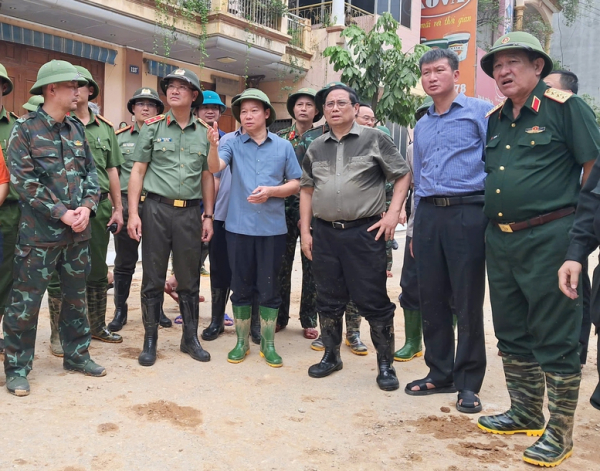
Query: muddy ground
[{"x": 184, "y": 415}]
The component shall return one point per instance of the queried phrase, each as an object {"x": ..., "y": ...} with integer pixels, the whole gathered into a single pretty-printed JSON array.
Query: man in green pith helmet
[
  {"x": 53, "y": 172},
  {"x": 170, "y": 164},
  {"x": 9, "y": 211},
  {"x": 264, "y": 171},
  {"x": 301, "y": 106},
  {"x": 538, "y": 141},
  {"x": 33, "y": 103}
]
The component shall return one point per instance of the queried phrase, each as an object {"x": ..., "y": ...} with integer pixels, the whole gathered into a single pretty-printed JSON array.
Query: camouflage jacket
[{"x": 52, "y": 169}]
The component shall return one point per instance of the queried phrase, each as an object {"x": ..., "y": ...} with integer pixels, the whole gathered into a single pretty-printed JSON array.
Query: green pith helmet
[
  {"x": 385, "y": 130},
  {"x": 88, "y": 76},
  {"x": 187, "y": 76},
  {"x": 291, "y": 102},
  {"x": 56, "y": 71},
  {"x": 252, "y": 94},
  {"x": 421, "y": 110},
  {"x": 4, "y": 77},
  {"x": 321, "y": 93},
  {"x": 516, "y": 40},
  {"x": 212, "y": 98},
  {"x": 146, "y": 93},
  {"x": 33, "y": 103}
]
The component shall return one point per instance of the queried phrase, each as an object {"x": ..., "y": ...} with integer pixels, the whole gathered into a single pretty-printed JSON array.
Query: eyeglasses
[
  {"x": 340, "y": 104},
  {"x": 370, "y": 119},
  {"x": 179, "y": 88},
  {"x": 145, "y": 104}
]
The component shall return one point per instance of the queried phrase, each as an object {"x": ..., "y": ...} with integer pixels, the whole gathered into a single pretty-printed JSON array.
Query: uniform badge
[
  {"x": 292, "y": 135},
  {"x": 146, "y": 91},
  {"x": 128, "y": 144},
  {"x": 164, "y": 139},
  {"x": 535, "y": 104},
  {"x": 179, "y": 72},
  {"x": 505, "y": 40},
  {"x": 535, "y": 130},
  {"x": 78, "y": 143}
]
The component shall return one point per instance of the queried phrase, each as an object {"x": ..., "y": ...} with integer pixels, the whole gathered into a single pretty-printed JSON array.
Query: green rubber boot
[
  {"x": 96, "y": 301},
  {"x": 268, "y": 322},
  {"x": 525, "y": 384},
  {"x": 413, "y": 331},
  {"x": 17, "y": 385},
  {"x": 54, "y": 306},
  {"x": 242, "y": 316},
  {"x": 556, "y": 444}
]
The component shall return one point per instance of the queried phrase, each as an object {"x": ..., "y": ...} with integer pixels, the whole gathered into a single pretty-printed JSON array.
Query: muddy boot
[
  {"x": 382, "y": 336},
  {"x": 219, "y": 299},
  {"x": 255, "y": 324},
  {"x": 189, "y": 306},
  {"x": 54, "y": 305},
  {"x": 268, "y": 322},
  {"x": 122, "y": 287},
  {"x": 151, "y": 308},
  {"x": 413, "y": 331},
  {"x": 96, "y": 300},
  {"x": 18, "y": 385},
  {"x": 242, "y": 315},
  {"x": 525, "y": 384},
  {"x": 331, "y": 333},
  {"x": 353, "y": 330},
  {"x": 595, "y": 399},
  {"x": 556, "y": 443}
]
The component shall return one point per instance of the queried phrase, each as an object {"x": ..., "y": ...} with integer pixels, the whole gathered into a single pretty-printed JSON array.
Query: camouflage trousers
[
  {"x": 352, "y": 318},
  {"x": 9, "y": 227},
  {"x": 33, "y": 267}
]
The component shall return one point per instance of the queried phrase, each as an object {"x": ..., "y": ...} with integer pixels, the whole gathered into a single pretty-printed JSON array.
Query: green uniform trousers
[
  {"x": 532, "y": 318},
  {"x": 33, "y": 267},
  {"x": 10, "y": 214}
]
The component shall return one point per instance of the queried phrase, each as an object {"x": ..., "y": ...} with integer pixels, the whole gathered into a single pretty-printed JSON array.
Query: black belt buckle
[
  {"x": 441, "y": 202},
  {"x": 338, "y": 225}
]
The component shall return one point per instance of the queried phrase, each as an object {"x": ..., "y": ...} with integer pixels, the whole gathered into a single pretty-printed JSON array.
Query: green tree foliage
[
  {"x": 594, "y": 105},
  {"x": 374, "y": 61}
]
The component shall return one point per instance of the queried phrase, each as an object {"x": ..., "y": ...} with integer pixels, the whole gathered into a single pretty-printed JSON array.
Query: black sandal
[
  {"x": 425, "y": 391},
  {"x": 468, "y": 398}
]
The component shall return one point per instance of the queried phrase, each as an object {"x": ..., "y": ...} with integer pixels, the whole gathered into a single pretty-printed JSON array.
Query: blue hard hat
[{"x": 212, "y": 98}]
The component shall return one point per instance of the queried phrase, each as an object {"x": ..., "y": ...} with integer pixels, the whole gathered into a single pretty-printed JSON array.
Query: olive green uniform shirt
[
  {"x": 7, "y": 121},
  {"x": 176, "y": 157},
  {"x": 534, "y": 162},
  {"x": 127, "y": 139},
  {"x": 105, "y": 148},
  {"x": 349, "y": 175}
]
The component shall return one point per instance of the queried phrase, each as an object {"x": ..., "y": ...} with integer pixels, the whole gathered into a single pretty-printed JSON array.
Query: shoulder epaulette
[
  {"x": 156, "y": 119},
  {"x": 14, "y": 115},
  {"x": 126, "y": 128},
  {"x": 102, "y": 118},
  {"x": 494, "y": 109},
  {"x": 204, "y": 123},
  {"x": 558, "y": 95}
]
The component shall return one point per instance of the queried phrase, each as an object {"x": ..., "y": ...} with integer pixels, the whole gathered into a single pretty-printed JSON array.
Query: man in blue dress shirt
[
  {"x": 449, "y": 228},
  {"x": 264, "y": 171}
]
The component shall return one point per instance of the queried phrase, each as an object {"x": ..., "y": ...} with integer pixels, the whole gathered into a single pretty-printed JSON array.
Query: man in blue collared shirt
[
  {"x": 449, "y": 231},
  {"x": 264, "y": 171}
]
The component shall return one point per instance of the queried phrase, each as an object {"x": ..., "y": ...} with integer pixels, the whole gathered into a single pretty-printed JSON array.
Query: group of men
[{"x": 491, "y": 185}]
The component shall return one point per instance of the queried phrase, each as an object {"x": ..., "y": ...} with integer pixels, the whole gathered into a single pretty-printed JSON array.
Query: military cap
[
  {"x": 322, "y": 94},
  {"x": 421, "y": 110},
  {"x": 146, "y": 93},
  {"x": 187, "y": 76},
  {"x": 291, "y": 102},
  {"x": 385, "y": 130},
  {"x": 56, "y": 71},
  {"x": 516, "y": 40},
  {"x": 252, "y": 94},
  {"x": 5, "y": 78},
  {"x": 86, "y": 73},
  {"x": 33, "y": 103},
  {"x": 212, "y": 98}
]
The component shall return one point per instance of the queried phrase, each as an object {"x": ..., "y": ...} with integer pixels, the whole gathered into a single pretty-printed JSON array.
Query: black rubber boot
[
  {"x": 331, "y": 333},
  {"x": 219, "y": 298},
  {"x": 382, "y": 336},
  {"x": 255, "y": 323},
  {"x": 164, "y": 321},
  {"x": 595, "y": 399},
  {"x": 189, "y": 306},
  {"x": 122, "y": 287},
  {"x": 151, "y": 308}
]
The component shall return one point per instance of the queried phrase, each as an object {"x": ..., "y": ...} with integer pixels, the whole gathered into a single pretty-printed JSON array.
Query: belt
[
  {"x": 175, "y": 203},
  {"x": 142, "y": 197},
  {"x": 103, "y": 196},
  {"x": 536, "y": 221},
  {"x": 349, "y": 224},
  {"x": 444, "y": 201}
]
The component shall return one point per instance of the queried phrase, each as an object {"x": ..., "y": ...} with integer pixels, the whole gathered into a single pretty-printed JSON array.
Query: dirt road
[{"x": 184, "y": 415}]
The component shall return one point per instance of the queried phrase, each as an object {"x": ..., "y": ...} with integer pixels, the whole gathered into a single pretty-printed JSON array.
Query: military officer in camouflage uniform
[
  {"x": 102, "y": 140},
  {"x": 9, "y": 212},
  {"x": 170, "y": 164},
  {"x": 53, "y": 172},
  {"x": 538, "y": 140},
  {"x": 144, "y": 104},
  {"x": 301, "y": 106}
]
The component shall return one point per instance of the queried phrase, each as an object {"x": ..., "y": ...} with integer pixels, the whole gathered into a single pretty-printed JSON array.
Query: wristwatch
[{"x": 208, "y": 216}]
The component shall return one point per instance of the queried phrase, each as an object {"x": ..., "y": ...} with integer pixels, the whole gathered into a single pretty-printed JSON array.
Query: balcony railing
[
  {"x": 296, "y": 28},
  {"x": 320, "y": 14},
  {"x": 263, "y": 12}
]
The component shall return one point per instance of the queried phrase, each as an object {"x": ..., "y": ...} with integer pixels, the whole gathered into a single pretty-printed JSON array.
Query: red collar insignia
[{"x": 535, "y": 104}]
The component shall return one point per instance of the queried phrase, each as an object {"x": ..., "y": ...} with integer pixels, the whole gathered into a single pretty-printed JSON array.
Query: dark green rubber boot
[
  {"x": 242, "y": 315},
  {"x": 54, "y": 306},
  {"x": 353, "y": 330},
  {"x": 556, "y": 444},
  {"x": 268, "y": 323},
  {"x": 525, "y": 384},
  {"x": 413, "y": 332},
  {"x": 96, "y": 300}
]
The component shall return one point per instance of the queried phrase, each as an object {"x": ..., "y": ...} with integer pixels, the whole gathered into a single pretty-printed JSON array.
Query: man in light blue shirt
[
  {"x": 264, "y": 170},
  {"x": 449, "y": 228}
]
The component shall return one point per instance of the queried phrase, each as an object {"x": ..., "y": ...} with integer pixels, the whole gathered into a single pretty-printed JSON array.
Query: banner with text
[{"x": 452, "y": 24}]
